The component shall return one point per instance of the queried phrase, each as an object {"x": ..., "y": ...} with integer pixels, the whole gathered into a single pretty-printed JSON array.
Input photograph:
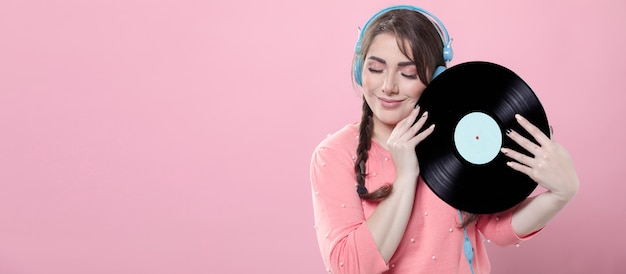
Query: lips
[{"x": 389, "y": 103}]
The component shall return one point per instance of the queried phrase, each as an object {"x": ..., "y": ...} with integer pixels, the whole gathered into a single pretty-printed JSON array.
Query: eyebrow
[{"x": 401, "y": 64}]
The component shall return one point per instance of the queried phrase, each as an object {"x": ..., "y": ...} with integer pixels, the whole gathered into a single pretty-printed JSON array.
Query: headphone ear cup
[
  {"x": 438, "y": 71},
  {"x": 357, "y": 70},
  {"x": 447, "y": 53}
]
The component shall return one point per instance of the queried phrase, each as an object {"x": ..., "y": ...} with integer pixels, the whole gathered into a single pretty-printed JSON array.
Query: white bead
[
  {"x": 450, "y": 230},
  {"x": 343, "y": 205},
  {"x": 323, "y": 164},
  {"x": 328, "y": 270},
  {"x": 497, "y": 218},
  {"x": 326, "y": 235},
  {"x": 516, "y": 245},
  {"x": 412, "y": 240},
  {"x": 317, "y": 193},
  {"x": 375, "y": 174},
  {"x": 393, "y": 265},
  {"x": 489, "y": 241},
  {"x": 425, "y": 213},
  {"x": 328, "y": 135},
  {"x": 434, "y": 257},
  {"x": 386, "y": 159},
  {"x": 341, "y": 264},
  {"x": 353, "y": 157}
]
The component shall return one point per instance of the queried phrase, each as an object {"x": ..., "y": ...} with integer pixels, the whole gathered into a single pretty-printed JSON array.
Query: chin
[
  {"x": 391, "y": 121},
  {"x": 394, "y": 119}
]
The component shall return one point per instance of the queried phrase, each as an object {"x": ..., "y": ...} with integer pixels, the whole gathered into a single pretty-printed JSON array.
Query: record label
[{"x": 477, "y": 138}]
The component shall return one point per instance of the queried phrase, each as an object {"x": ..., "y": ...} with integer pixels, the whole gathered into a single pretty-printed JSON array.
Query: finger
[
  {"x": 521, "y": 168},
  {"x": 403, "y": 126},
  {"x": 415, "y": 113},
  {"x": 519, "y": 157},
  {"x": 421, "y": 121},
  {"x": 411, "y": 132},
  {"x": 409, "y": 120},
  {"x": 526, "y": 144},
  {"x": 535, "y": 132},
  {"x": 422, "y": 135}
]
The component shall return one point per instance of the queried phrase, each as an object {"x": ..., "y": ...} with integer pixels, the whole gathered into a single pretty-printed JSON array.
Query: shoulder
[
  {"x": 345, "y": 139},
  {"x": 341, "y": 144}
]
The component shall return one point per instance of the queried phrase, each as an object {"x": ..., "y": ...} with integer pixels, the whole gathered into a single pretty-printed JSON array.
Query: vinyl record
[{"x": 472, "y": 105}]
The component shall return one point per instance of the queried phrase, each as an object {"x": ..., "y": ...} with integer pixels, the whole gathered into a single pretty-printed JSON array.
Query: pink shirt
[{"x": 432, "y": 242}]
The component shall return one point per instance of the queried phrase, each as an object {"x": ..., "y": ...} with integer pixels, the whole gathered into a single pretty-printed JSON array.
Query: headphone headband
[{"x": 441, "y": 29}]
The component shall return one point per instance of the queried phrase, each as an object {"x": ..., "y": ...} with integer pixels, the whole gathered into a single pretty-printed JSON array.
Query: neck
[{"x": 382, "y": 132}]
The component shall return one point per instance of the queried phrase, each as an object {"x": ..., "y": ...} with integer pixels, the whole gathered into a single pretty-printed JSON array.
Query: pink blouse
[{"x": 432, "y": 242}]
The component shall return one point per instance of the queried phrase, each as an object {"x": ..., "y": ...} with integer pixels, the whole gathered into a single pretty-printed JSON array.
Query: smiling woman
[
  {"x": 160, "y": 137},
  {"x": 402, "y": 226}
]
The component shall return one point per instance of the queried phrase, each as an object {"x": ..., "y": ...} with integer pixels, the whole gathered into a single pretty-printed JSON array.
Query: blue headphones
[{"x": 357, "y": 69}]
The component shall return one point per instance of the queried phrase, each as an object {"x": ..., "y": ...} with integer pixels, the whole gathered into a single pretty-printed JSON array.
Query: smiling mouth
[{"x": 388, "y": 103}]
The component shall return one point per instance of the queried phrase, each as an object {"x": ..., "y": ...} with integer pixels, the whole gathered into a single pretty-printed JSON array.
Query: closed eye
[
  {"x": 410, "y": 76},
  {"x": 375, "y": 70}
]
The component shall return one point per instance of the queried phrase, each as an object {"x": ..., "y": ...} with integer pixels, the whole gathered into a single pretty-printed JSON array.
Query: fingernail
[
  {"x": 503, "y": 151},
  {"x": 417, "y": 106},
  {"x": 518, "y": 117},
  {"x": 425, "y": 114},
  {"x": 508, "y": 131}
]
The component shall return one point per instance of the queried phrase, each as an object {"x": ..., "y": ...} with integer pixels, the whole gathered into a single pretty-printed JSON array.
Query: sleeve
[
  {"x": 497, "y": 228},
  {"x": 345, "y": 241}
]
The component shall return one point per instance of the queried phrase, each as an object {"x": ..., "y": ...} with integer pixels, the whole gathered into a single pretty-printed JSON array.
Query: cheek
[
  {"x": 371, "y": 81},
  {"x": 367, "y": 84},
  {"x": 414, "y": 90}
]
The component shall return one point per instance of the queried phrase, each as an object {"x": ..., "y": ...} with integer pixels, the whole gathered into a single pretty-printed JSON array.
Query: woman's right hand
[
  {"x": 403, "y": 140},
  {"x": 390, "y": 218}
]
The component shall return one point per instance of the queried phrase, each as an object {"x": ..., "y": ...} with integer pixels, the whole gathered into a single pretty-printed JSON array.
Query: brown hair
[{"x": 412, "y": 29}]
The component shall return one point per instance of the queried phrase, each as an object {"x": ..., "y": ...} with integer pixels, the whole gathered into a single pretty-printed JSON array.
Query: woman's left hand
[{"x": 551, "y": 165}]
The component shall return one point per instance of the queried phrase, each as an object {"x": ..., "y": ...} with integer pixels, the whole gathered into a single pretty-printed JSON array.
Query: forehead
[{"x": 385, "y": 45}]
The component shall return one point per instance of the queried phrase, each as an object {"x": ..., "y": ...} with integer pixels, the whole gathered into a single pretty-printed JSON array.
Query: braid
[{"x": 365, "y": 142}]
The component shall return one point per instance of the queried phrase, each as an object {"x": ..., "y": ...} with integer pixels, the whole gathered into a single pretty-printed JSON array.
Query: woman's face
[{"x": 391, "y": 86}]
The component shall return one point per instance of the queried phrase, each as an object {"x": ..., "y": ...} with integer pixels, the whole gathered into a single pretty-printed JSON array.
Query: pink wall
[{"x": 175, "y": 136}]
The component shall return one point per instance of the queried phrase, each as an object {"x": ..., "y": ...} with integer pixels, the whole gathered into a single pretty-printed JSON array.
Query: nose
[{"x": 390, "y": 86}]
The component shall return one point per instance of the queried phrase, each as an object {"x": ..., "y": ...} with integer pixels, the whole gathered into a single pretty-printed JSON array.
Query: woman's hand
[
  {"x": 390, "y": 218},
  {"x": 403, "y": 140},
  {"x": 551, "y": 165}
]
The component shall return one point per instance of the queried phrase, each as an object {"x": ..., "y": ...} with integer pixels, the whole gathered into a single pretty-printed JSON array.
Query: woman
[{"x": 373, "y": 212}]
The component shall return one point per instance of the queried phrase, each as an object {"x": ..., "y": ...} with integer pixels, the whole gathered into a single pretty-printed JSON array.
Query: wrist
[
  {"x": 407, "y": 173},
  {"x": 406, "y": 178},
  {"x": 561, "y": 198},
  {"x": 567, "y": 193}
]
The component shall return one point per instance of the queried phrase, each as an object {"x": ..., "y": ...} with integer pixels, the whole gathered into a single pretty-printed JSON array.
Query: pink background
[{"x": 175, "y": 136}]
